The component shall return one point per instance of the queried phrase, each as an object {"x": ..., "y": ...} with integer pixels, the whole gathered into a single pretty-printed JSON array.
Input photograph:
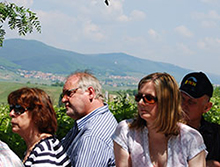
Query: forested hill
[{"x": 34, "y": 55}]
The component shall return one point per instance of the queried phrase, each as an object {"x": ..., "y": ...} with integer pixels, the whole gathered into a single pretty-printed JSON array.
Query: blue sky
[{"x": 185, "y": 33}]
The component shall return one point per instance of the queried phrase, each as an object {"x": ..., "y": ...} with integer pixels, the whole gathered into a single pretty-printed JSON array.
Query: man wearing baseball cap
[{"x": 196, "y": 91}]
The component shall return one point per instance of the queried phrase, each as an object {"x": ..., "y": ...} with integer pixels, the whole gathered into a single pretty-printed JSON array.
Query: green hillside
[
  {"x": 33, "y": 55},
  {"x": 7, "y": 87}
]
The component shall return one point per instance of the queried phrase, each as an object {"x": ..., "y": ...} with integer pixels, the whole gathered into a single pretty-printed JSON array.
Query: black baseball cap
[{"x": 196, "y": 84}]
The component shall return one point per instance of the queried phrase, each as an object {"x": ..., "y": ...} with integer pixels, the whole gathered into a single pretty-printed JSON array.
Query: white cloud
[
  {"x": 209, "y": 24},
  {"x": 69, "y": 26},
  {"x": 208, "y": 20},
  {"x": 183, "y": 49},
  {"x": 137, "y": 15},
  {"x": 209, "y": 44},
  {"x": 184, "y": 31},
  {"x": 57, "y": 27},
  {"x": 123, "y": 18},
  {"x": 135, "y": 40},
  {"x": 116, "y": 12},
  {"x": 209, "y": 1},
  {"x": 93, "y": 32},
  {"x": 56, "y": 19},
  {"x": 116, "y": 6},
  {"x": 212, "y": 14},
  {"x": 153, "y": 34},
  {"x": 25, "y": 3},
  {"x": 213, "y": 2}
]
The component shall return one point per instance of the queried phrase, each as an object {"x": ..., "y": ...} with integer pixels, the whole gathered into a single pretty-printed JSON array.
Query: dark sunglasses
[
  {"x": 69, "y": 92},
  {"x": 18, "y": 110},
  {"x": 147, "y": 98}
]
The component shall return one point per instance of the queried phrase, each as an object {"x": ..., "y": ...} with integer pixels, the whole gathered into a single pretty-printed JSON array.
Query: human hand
[{"x": 212, "y": 163}]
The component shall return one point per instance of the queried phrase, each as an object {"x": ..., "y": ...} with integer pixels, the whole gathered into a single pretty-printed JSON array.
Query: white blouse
[{"x": 181, "y": 148}]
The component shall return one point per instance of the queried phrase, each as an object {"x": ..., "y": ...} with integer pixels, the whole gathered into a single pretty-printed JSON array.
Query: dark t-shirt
[{"x": 211, "y": 135}]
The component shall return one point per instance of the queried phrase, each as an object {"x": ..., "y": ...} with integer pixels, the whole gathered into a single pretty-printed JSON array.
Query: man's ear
[
  {"x": 208, "y": 107},
  {"x": 91, "y": 92}
]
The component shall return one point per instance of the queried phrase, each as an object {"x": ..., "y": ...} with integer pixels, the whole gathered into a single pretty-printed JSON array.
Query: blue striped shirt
[{"x": 92, "y": 146}]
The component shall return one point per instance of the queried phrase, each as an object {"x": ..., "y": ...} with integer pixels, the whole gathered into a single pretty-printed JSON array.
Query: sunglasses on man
[{"x": 69, "y": 92}]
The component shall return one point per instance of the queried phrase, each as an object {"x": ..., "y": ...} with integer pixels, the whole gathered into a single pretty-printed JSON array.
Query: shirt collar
[{"x": 81, "y": 122}]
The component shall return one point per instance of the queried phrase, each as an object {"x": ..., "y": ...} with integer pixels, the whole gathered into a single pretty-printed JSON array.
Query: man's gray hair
[{"x": 87, "y": 79}]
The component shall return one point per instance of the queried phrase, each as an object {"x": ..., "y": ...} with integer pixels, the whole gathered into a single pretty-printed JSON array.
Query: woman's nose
[{"x": 12, "y": 113}]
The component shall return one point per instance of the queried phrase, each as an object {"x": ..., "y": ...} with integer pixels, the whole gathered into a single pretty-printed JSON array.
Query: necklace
[{"x": 28, "y": 151}]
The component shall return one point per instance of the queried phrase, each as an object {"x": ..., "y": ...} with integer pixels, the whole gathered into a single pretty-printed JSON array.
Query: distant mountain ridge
[{"x": 34, "y": 55}]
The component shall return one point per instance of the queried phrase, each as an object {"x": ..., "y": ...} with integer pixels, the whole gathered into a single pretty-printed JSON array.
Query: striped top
[
  {"x": 92, "y": 145},
  {"x": 48, "y": 153}
]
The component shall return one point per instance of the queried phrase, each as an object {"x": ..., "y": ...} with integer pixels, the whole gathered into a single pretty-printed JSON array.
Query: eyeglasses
[
  {"x": 69, "y": 92},
  {"x": 147, "y": 98},
  {"x": 18, "y": 109}
]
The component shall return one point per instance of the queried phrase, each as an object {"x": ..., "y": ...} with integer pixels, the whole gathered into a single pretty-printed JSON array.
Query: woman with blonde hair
[{"x": 158, "y": 137}]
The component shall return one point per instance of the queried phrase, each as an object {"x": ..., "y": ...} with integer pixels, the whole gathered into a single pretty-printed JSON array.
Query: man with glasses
[
  {"x": 196, "y": 91},
  {"x": 89, "y": 142}
]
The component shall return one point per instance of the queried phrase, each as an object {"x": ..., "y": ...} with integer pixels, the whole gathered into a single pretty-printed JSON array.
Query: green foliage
[
  {"x": 216, "y": 92},
  {"x": 123, "y": 106},
  {"x": 214, "y": 114},
  {"x": 59, "y": 84},
  {"x": 18, "y": 17},
  {"x": 64, "y": 122}
]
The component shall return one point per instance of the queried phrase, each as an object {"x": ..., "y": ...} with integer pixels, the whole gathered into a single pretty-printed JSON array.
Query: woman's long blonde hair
[{"x": 168, "y": 104}]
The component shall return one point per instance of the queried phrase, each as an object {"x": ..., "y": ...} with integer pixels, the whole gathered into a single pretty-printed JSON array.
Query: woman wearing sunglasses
[
  {"x": 157, "y": 137},
  {"x": 34, "y": 119}
]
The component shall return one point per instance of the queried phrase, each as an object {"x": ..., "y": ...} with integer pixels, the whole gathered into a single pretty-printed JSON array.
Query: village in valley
[{"x": 111, "y": 80}]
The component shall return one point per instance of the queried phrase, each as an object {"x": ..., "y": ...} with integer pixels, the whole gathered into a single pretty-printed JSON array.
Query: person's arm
[
  {"x": 8, "y": 157},
  {"x": 122, "y": 157},
  {"x": 198, "y": 160},
  {"x": 212, "y": 163}
]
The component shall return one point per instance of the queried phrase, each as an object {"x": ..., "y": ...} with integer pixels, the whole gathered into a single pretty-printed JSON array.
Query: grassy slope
[{"x": 7, "y": 87}]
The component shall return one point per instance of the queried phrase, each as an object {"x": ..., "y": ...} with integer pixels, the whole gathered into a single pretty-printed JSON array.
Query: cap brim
[{"x": 187, "y": 94}]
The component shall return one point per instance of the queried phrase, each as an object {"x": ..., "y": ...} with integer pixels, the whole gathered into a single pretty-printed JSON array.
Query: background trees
[{"x": 17, "y": 18}]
